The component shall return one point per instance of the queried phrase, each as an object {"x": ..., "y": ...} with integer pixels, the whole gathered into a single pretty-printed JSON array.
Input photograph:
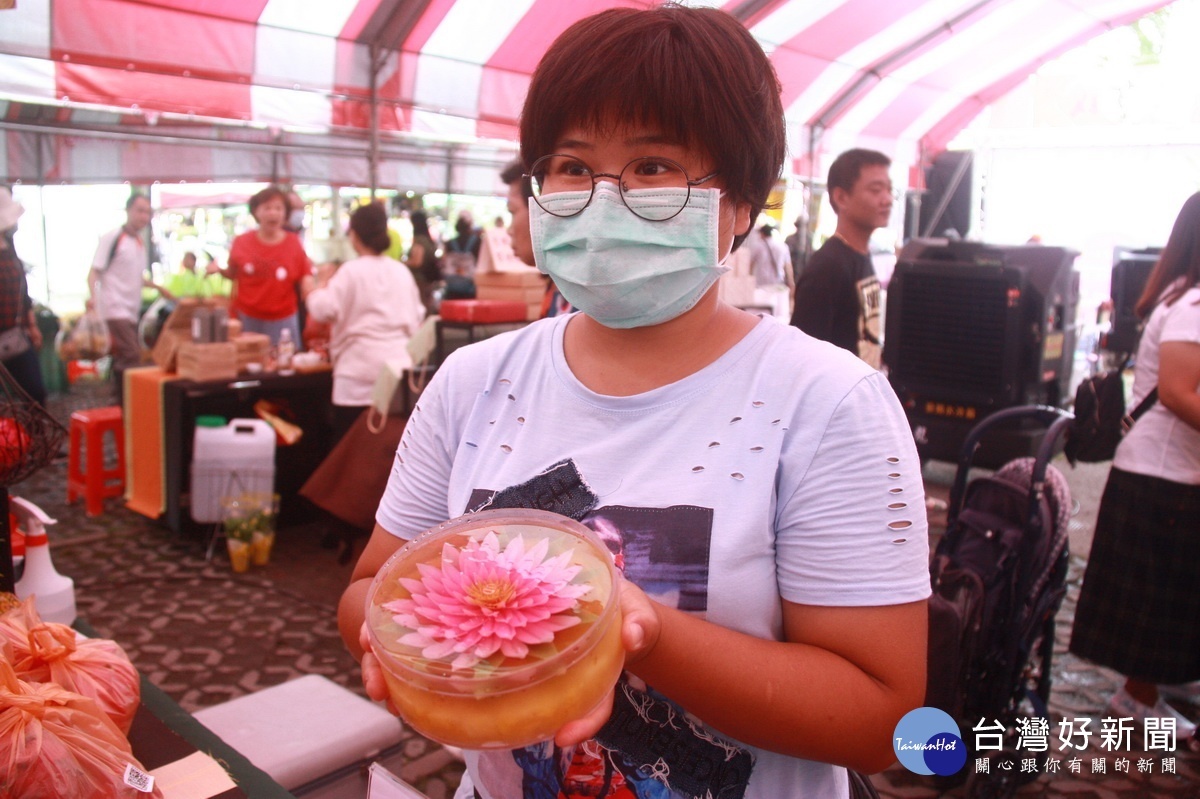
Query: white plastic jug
[
  {"x": 227, "y": 460},
  {"x": 54, "y": 593}
]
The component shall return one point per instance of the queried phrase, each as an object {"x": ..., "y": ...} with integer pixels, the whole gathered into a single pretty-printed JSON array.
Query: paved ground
[{"x": 205, "y": 635}]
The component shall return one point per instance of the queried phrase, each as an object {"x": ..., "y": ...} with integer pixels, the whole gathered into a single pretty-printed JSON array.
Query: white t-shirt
[
  {"x": 1161, "y": 444},
  {"x": 374, "y": 307},
  {"x": 784, "y": 469},
  {"x": 120, "y": 290}
]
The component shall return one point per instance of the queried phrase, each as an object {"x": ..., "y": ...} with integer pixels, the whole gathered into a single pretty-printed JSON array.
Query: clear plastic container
[{"x": 499, "y": 700}]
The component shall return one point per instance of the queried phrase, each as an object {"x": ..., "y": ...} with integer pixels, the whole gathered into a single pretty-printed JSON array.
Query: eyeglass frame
[{"x": 528, "y": 177}]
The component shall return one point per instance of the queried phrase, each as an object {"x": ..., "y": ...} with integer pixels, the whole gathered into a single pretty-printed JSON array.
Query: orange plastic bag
[
  {"x": 93, "y": 667},
  {"x": 55, "y": 743}
]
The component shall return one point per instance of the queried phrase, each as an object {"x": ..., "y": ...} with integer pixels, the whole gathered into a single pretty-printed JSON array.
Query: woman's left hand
[
  {"x": 640, "y": 628},
  {"x": 372, "y": 673}
]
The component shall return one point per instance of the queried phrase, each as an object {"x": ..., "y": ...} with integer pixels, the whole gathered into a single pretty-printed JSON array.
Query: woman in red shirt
[{"x": 266, "y": 266}]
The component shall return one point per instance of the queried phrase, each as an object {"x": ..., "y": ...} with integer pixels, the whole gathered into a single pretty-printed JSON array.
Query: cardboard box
[
  {"x": 525, "y": 285},
  {"x": 495, "y": 252},
  {"x": 177, "y": 330},
  {"x": 524, "y": 277},
  {"x": 522, "y": 294},
  {"x": 203, "y": 362},
  {"x": 252, "y": 348},
  {"x": 166, "y": 349}
]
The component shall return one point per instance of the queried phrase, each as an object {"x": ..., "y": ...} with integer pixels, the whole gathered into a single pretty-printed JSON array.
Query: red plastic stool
[{"x": 95, "y": 481}]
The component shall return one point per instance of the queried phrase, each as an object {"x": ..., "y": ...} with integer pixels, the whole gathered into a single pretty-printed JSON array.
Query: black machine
[
  {"x": 1131, "y": 269},
  {"x": 972, "y": 328}
]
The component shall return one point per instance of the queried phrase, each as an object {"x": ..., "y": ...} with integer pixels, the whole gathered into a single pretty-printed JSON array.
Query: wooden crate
[{"x": 207, "y": 361}]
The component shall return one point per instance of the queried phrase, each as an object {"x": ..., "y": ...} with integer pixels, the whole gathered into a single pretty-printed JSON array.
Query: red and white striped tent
[{"x": 425, "y": 94}]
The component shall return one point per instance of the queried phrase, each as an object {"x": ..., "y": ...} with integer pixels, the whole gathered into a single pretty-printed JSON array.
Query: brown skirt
[{"x": 1139, "y": 607}]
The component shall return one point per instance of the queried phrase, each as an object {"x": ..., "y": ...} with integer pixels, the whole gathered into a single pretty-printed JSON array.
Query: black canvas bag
[{"x": 1100, "y": 418}]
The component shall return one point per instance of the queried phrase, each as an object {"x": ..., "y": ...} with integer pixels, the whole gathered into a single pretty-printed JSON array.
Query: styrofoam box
[
  {"x": 303, "y": 729},
  {"x": 232, "y": 459}
]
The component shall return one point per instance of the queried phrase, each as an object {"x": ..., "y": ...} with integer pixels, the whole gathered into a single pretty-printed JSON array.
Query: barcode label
[{"x": 137, "y": 779}]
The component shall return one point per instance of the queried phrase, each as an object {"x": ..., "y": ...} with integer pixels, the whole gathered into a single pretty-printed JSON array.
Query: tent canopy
[{"x": 425, "y": 94}]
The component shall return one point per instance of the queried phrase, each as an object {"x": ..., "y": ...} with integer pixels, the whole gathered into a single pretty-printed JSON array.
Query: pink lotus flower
[{"x": 483, "y": 600}]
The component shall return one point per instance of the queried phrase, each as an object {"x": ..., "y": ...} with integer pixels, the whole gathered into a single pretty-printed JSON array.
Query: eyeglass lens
[{"x": 553, "y": 174}]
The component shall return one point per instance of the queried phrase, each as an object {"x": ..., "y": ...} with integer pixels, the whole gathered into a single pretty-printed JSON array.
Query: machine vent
[{"x": 953, "y": 334}]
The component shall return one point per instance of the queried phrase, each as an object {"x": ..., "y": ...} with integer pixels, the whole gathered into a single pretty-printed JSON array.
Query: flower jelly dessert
[{"x": 497, "y": 628}]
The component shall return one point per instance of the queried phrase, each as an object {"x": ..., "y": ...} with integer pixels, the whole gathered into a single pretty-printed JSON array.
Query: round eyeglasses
[{"x": 554, "y": 174}]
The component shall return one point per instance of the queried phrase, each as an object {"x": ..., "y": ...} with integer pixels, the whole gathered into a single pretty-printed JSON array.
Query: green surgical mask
[{"x": 620, "y": 269}]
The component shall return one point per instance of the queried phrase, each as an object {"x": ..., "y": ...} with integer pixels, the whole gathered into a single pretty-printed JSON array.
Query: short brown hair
[
  {"x": 846, "y": 168},
  {"x": 265, "y": 195},
  {"x": 696, "y": 73}
]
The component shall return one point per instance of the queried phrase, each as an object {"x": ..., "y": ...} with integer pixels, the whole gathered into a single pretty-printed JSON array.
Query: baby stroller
[{"x": 998, "y": 579}]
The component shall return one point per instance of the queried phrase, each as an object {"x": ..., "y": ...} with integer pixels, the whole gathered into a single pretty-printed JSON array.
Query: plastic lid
[
  {"x": 593, "y": 566},
  {"x": 210, "y": 421}
]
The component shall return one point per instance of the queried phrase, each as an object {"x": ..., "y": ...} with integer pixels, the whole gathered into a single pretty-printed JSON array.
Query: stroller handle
[{"x": 1056, "y": 421}]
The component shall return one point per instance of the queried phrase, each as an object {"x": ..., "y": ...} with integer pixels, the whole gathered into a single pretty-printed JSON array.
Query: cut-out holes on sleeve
[
  {"x": 757, "y": 404},
  {"x": 898, "y": 506},
  {"x": 697, "y": 469},
  {"x": 893, "y": 460},
  {"x": 735, "y": 420},
  {"x": 896, "y": 490},
  {"x": 505, "y": 448},
  {"x": 898, "y": 525},
  {"x": 894, "y": 476}
]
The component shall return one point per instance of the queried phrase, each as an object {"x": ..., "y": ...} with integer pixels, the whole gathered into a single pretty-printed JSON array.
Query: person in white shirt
[
  {"x": 771, "y": 265},
  {"x": 1138, "y": 610},
  {"x": 374, "y": 307},
  {"x": 762, "y": 487},
  {"x": 115, "y": 281}
]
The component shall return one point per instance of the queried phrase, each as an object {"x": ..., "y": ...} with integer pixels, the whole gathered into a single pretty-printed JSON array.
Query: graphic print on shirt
[
  {"x": 650, "y": 748},
  {"x": 869, "y": 334}
]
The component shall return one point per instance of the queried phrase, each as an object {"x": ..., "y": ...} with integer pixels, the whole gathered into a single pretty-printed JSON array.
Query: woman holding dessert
[{"x": 759, "y": 488}]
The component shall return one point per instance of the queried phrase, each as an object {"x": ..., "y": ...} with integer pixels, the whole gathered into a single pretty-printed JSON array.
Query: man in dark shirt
[{"x": 837, "y": 294}]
